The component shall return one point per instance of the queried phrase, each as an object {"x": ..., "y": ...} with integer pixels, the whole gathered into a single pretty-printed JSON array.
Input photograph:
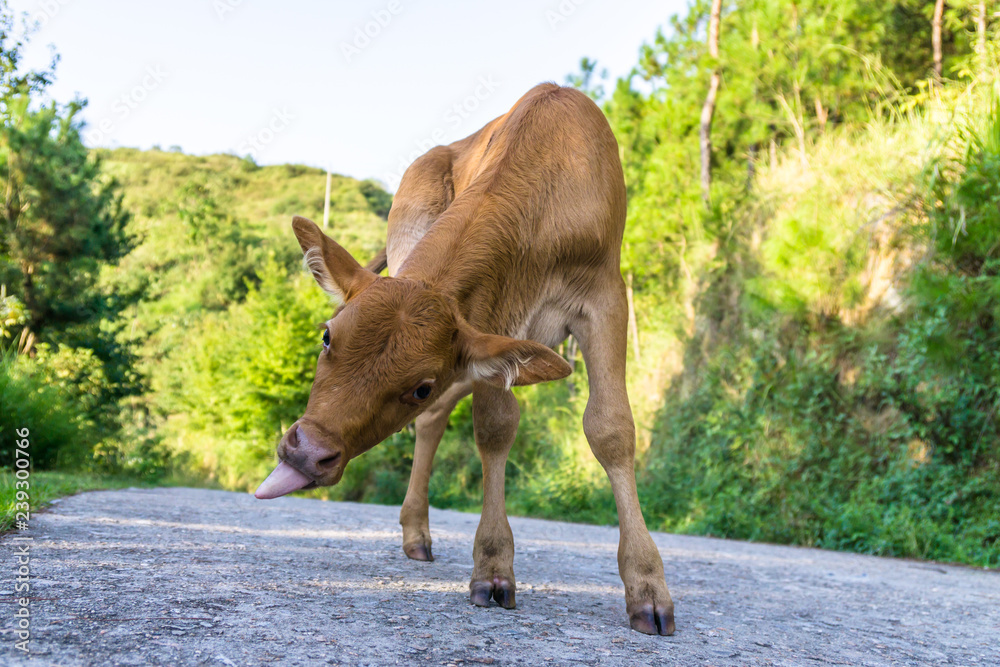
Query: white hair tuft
[{"x": 313, "y": 261}]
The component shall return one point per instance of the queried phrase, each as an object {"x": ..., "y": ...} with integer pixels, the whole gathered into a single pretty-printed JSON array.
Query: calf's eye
[
  {"x": 419, "y": 393},
  {"x": 326, "y": 338}
]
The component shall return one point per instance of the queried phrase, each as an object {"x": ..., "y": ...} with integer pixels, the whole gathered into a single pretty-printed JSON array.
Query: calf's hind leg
[
  {"x": 430, "y": 427},
  {"x": 610, "y": 430},
  {"x": 495, "y": 415}
]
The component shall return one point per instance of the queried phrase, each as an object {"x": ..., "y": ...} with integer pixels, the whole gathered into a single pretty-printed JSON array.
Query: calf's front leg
[
  {"x": 430, "y": 426},
  {"x": 495, "y": 415}
]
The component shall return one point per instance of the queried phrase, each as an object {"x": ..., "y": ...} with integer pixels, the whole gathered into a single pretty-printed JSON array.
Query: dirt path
[{"x": 194, "y": 577}]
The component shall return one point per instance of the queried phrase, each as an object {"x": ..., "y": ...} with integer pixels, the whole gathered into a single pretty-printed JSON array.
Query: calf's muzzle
[{"x": 307, "y": 460}]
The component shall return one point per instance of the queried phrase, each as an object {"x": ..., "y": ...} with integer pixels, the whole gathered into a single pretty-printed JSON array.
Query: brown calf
[{"x": 499, "y": 246}]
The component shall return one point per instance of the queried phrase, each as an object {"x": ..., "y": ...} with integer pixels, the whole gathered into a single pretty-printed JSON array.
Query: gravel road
[{"x": 194, "y": 577}]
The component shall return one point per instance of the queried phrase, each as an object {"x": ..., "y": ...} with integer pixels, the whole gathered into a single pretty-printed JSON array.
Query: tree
[
  {"x": 708, "y": 109},
  {"x": 981, "y": 55},
  {"x": 62, "y": 223},
  {"x": 60, "y": 220},
  {"x": 936, "y": 38}
]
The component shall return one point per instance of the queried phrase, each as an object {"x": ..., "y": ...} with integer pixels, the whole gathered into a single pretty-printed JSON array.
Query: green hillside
[
  {"x": 223, "y": 284},
  {"x": 205, "y": 226}
]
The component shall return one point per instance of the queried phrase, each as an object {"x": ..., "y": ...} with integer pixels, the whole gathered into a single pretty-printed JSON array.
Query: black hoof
[
  {"x": 503, "y": 593},
  {"x": 500, "y": 589},
  {"x": 480, "y": 594},
  {"x": 418, "y": 552},
  {"x": 650, "y": 622}
]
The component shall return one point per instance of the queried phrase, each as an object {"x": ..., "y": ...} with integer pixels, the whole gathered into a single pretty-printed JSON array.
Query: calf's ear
[
  {"x": 506, "y": 362},
  {"x": 337, "y": 273}
]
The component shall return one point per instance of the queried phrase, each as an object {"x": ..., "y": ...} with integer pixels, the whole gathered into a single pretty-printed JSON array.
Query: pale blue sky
[{"x": 292, "y": 81}]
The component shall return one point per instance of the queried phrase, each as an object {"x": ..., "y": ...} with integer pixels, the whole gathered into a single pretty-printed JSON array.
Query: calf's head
[{"x": 392, "y": 347}]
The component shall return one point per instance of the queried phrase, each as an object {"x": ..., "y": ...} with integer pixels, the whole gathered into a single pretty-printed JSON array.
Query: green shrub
[
  {"x": 879, "y": 435},
  {"x": 37, "y": 396}
]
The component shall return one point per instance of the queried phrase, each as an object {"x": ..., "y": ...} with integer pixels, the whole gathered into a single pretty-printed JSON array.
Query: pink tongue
[{"x": 283, "y": 479}]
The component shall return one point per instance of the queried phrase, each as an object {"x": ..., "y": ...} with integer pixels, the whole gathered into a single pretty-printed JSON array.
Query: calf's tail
[{"x": 378, "y": 263}]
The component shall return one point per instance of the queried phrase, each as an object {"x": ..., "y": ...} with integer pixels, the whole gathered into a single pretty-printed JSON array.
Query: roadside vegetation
[
  {"x": 50, "y": 485},
  {"x": 815, "y": 358}
]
